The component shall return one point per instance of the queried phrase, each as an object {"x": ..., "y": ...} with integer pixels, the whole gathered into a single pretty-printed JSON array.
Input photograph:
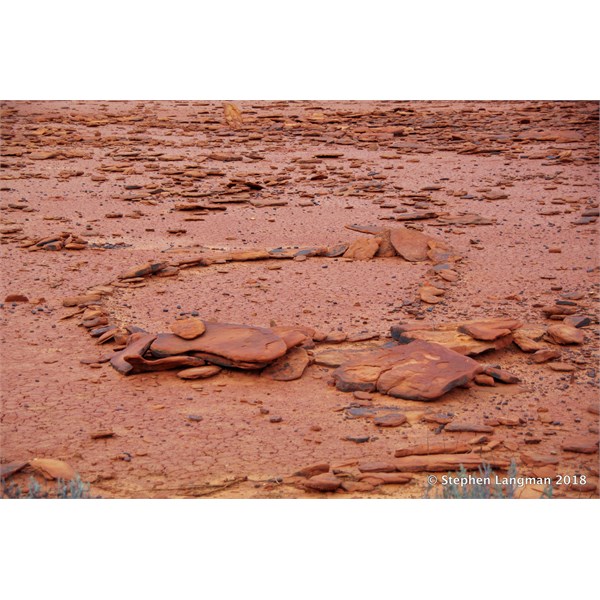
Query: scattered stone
[
  {"x": 323, "y": 483},
  {"x": 538, "y": 460},
  {"x": 357, "y": 486},
  {"x": 9, "y": 469},
  {"x": 16, "y": 298},
  {"x": 202, "y": 372},
  {"x": 577, "y": 321},
  {"x": 189, "y": 328},
  {"x": 500, "y": 375},
  {"x": 312, "y": 470},
  {"x": 426, "y": 449},
  {"x": 565, "y": 334},
  {"x": 410, "y": 244},
  {"x": 562, "y": 367},
  {"x": 390, "y": 420},
  {"x": 580, "y": 445},
  {"x": 545, "y": 355},
  {"x": 101, "y": 435}
]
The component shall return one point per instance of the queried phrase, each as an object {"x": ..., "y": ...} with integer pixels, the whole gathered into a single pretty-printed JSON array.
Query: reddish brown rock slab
[
  {"x": 143, "y": 270},
  {"x": 335, "y": 337},
  {"x": 426, "y": 449},
  {"x": 538, "y": 460},
  {"x": 448, "y": 336},
  {"x": 447, "y": 462},
  {"x": 390, "y": 420},
  {"x": 312, "y": 470},
  {"x": 202, "y": 372},
  {"x": 484, "y": 380},
  {"x": 9, "y": 469},
  {"x": 581, "y": 445},
  {"x": 542, "y": 356},
  {"x": 431, "y": 294},
  {"x": 363, "y": 249},
  {"x": 490, "y": 330},
  {"x": 323, "y": 483},
  {"x": 416, "y": 371},
  {"x": 137, "y": 345},
  {"x": 241, "y": 344},
  {"x": 357, "y": 486},
  {"x": 188, "y": 329},
  {"x": 16, "y": 298},
  {"x": 470, "y": 427},
  {"x": 500, "y": 374},
  {"x": 288, "y": 367},
  {"x": 561, "y": 367},
  {"x": 81, "y": 300},
  {"x": 525, "y": 343},
  {"x": 51, "y": 468},
  {"x": 374, "y": 466},
  {"x": 386, "y": 478},
  {"x": 565, "y": 334},
  {"x": 410, "y": 244},
  {"x": 141, "y": 365}
]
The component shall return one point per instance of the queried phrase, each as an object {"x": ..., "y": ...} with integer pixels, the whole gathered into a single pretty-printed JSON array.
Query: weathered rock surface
[
  {"x": 240, "y": 345},
  {"x": 447, "y": 462},
  {"x": 323, "y": 483},
  {"x": 425, "y": 449},
  {"x": 416, "y": 371}
]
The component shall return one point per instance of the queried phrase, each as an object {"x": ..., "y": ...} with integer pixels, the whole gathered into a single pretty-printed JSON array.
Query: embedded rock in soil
[
  {"x": 288, "y": 367},
  {"x": 188, "y": 329},
  {"x": 447, "y": 462},
  {"x": 525, "y": 343},
  {"x": 51, "y": 468},
  {"x": 425, "y": 449},
  {"x": 580, "y": 445},
  {"x": 323, "y": 483},
  {"x": 312, "y": 470},
  {"x": 143, "y": 270},
  {"x": 416, "y": 371},
  {"x": 378, "y": 478},
  {"x": 390, "y": 420},
  {"x": 244, "y": 346},
  {"x": 363, "y": 249},
  {"x": 544, "y": 355},
  {"x": 565, "y": 334},
  {"x": 202, "y": 372},
  {"x": 142, "y": 365}
]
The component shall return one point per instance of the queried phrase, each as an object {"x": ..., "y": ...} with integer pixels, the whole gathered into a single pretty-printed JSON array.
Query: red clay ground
[{"x": 531, "y": 167}]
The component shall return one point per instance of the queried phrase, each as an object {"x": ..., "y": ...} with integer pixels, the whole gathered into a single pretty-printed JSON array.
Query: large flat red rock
[
  {"x": 410, "y": 244},
  {"x": 235, "y": 343},
  {"x": 416, "y": 371}
]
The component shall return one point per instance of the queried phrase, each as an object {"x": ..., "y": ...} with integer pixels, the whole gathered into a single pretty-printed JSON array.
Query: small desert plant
[
  {"x": 75, "y": 489},
  {"x": 484, "y": 490}
]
